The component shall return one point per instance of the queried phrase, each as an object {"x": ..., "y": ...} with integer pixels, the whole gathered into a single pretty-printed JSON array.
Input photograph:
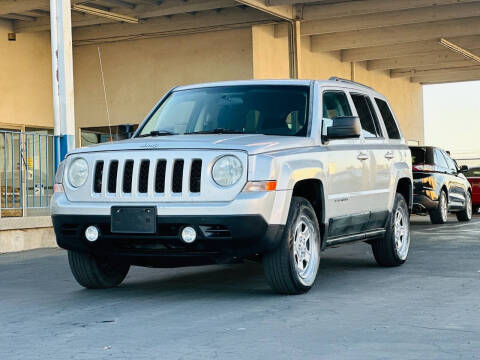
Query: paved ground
[{"x": 427, "y": 309}]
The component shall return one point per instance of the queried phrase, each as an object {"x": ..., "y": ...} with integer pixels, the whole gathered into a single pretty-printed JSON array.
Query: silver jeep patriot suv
[{"x": 274, "y": 171}]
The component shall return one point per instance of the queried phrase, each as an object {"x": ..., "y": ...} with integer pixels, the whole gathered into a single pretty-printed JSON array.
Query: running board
[{"x": 355, "y": 237}]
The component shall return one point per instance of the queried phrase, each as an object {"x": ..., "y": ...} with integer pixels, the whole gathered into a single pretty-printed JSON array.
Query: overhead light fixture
[
  {"x": 106, "y": 14},
  {"x": 451, "y": 46}
]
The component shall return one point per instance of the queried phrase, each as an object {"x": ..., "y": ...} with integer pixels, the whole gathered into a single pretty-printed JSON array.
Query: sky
[{"x": 452, "y": 117}]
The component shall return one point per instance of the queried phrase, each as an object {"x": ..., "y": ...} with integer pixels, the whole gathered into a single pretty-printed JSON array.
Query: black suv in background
[{"x": 439, "y": 186}]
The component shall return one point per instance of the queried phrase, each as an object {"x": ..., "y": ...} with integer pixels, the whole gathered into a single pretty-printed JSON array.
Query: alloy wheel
[{"x": 305, "y": 250}]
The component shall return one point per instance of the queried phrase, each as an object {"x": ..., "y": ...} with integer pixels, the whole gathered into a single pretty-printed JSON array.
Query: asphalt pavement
[{"x": 427, "y": 309}]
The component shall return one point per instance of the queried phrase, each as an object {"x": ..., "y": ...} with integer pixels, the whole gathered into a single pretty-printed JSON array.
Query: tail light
[{"x": 423, "y": 167}]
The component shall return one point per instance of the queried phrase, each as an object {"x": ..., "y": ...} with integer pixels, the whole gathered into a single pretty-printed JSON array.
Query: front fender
[{"x": 287, "y": 169}]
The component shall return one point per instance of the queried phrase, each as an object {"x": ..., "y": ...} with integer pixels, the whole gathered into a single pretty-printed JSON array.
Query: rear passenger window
[
  {"x": 367, "y": 115},
  {"x": 388, "y": 119},
  {"x": 439, "y": 160},
  {"x": 335, "y": 104}
]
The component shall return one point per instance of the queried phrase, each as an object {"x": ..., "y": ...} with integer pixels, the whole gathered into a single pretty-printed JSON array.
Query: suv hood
[{"x": 251, "y": 143}]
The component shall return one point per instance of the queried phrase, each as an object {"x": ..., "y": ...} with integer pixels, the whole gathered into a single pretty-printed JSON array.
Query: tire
[
  {"x": 466, "y": 214},
  {"x": 292, "y": 267},
  {"x": 475, "y": 209},
  {"x": 93, "y": 272},
  {"x": 440, "y": 214},
  {"x": 392, "y": 250}
]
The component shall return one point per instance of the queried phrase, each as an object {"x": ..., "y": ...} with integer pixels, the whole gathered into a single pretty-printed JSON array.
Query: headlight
[
  {"x": 227, "y": 170},
  {"x": 78, "y": 172}
]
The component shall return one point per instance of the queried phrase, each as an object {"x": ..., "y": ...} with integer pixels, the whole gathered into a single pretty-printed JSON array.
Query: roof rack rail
[{"x": 335, "y": 78}]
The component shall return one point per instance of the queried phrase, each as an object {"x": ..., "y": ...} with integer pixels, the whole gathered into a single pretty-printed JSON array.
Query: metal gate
[{"x": 27, "y": 171}]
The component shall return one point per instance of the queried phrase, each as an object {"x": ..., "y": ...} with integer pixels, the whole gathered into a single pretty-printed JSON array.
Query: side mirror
[
  {"x": 344, "y": 127},
  {"x": 463, "y": 168}
]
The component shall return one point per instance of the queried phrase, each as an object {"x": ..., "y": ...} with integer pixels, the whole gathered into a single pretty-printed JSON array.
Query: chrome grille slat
[
  {"x": 187, "y": 163},
  {"x": 136, "y": 171}
]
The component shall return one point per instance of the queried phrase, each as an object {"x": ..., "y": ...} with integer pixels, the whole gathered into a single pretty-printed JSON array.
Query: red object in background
[
  {"x": 475, "y": 182},
  {"x": 473, "y": 176}
]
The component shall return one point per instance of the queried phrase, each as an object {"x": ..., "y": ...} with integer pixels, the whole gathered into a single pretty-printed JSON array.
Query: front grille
[
  {"x": 127, "y": 177},
  {"x": 143, "y": 176},
  {"x": 131, "y": 175},
  {"x": 112, "y": 176},
  {"x": 195, "y": 176},
  {"x": 160, "y": 176},
  {"x": 97, "y": 179},
  {"x": 215, "y": 231},
  {"x": 177, "y": 180}
]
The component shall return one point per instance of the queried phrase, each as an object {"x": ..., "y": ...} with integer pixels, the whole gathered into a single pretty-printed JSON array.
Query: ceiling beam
[
  {"x": 180, "y": 24},
  {"x": 12, "y": 6},
  {"x": 120, "y": 3},
  {"x": 149, "y": 2},
  {"x": 167, "y": 8},
  {"x": 446, "y": 72},
  {"x": 397, "y": 34},
  {"x": 17, "y": 17},
  {"x": 411, "y": 48},
  {"x": 439, "y": 57},
  {"x": 352, "y": 8},
  {"x": 391, "y": 18},
  {"x": 452, "y": 76},
  {"x": 408, "y": 72},
  {"x": 36, "y": 13},
  {"x": 286, "y": 12}
]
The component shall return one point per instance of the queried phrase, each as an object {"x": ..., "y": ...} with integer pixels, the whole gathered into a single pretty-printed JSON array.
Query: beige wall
[
  {"x": 405, "y": 97},
  {"x": 25, "y": 78},
  {"x": 137, "y": 73},
  {"x": 270, "y": 51}
]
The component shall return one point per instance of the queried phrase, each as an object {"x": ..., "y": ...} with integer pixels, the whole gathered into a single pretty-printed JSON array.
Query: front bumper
[
  {"x": 218, "y": 237},
  {"x": 250, "y": 224}
]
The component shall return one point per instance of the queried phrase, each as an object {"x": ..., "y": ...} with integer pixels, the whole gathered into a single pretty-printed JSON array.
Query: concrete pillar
[{"x": 62, "y": 76}]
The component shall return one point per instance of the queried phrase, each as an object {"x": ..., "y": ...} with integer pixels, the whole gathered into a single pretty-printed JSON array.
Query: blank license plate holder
[{"x": 133, "y": 219}]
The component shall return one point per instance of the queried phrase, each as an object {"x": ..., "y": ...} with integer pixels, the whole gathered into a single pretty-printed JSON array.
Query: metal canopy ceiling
[{"x": 403, "y": 37}]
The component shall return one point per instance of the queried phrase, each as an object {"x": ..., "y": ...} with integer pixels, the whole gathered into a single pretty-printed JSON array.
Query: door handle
[
  {"x": 362, "y": 156},
  {"x": 389, "y": 155}
]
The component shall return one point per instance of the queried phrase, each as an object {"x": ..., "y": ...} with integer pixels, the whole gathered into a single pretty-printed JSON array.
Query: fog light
[
  {"x": 91, "y": 233},
  {"x": 189, "y": 234}
]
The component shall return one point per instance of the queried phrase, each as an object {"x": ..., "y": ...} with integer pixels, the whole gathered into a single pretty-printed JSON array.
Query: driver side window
[{"x": 335, "y": 104}]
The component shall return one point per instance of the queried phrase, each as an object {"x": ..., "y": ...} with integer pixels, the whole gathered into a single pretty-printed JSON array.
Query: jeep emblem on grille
[{"x": 150, "y": 146}]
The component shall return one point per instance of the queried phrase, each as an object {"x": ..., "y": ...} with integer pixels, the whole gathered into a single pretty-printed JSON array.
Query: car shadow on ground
[{"x": 239, "y": 280}]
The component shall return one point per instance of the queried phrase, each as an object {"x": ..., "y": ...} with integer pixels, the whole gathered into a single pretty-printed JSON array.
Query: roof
[{"x": 424, "y": 41}]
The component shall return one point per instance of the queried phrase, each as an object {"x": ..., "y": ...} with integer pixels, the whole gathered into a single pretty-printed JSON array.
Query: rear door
[
  {"x": 446, "y": 177},
  {"x": 377, "y": 195},
  {"x": 458, "y": 186}
]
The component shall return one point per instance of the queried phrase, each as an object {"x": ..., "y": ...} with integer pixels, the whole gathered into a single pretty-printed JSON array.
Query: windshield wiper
[
  {"x": 216, "y": 131},
  {"x": 158, "y": 133}
]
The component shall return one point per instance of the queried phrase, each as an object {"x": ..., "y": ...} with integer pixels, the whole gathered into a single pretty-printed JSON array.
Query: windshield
[{"x": 251, "y": 109}]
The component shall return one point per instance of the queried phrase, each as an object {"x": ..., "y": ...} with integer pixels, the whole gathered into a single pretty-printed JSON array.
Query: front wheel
[
  {"x": 292, "y": 267},
  {"x": 466, "y": 213},
  {"x": 94, "y": 272},
  {"x": 392, "y": 250}
]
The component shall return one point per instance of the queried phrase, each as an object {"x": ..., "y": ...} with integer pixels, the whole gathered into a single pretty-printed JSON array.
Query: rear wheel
[
  {"x": 292, "y": 267},
  {"x": 466, "y": 214},
  {"x": 440, "y": 214},
  {"x": 392, "y": 250},
  {"x": 95, "y": 272}
]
